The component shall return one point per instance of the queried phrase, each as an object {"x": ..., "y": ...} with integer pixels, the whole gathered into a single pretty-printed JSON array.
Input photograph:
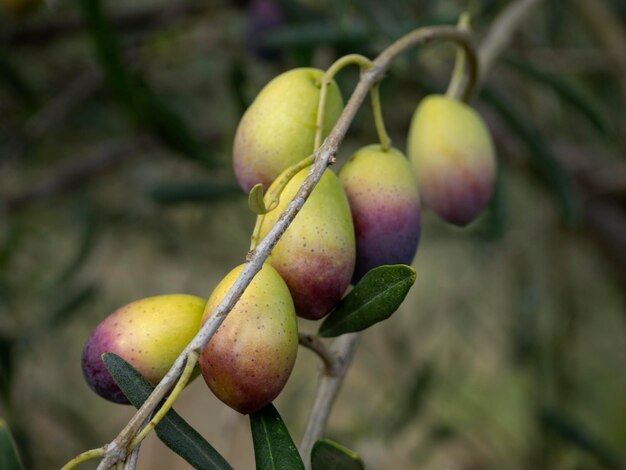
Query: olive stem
[
  {"x": 84, "y": 457},
  {"x": 131, "y": 461},
  {"x": 379, "y": 121},
  {"x": 458, "y": 73},
  {"x": 273, "y": 197},
  {"x": 192, "y": 360},
  {"x": 319, "y": 347},
  {"x": 327, "y": 79},
  {"x": 327, "y": 390},
  {"x": 116, "y": 449}
]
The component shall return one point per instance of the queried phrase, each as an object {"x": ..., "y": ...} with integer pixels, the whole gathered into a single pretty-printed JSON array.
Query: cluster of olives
[{"x": 367, "y": 216}]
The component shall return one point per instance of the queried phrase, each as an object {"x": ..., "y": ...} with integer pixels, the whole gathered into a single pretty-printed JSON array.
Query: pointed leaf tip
[
  {"x": 376, "y": 296},
  {"x": 274, "y": 448}
]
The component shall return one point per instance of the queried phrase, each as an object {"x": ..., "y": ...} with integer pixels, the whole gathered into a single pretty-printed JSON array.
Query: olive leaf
[
  {"x": 255, "y": 200},
  {"x": 9, "y": 458},
  {"x": 173, "y": 430},
  {"x": 376, "y": 296},
  {"x": 328, "y": 455},
  {"x": 273, "y": 446}
]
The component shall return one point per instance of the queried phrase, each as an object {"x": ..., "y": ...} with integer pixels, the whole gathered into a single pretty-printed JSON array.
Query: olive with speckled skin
[
  {"x": 316, "y": 254},
  {"x": 278, "y": 129},
  {"x": 249, "y": 359},
  {"x": 385, "y": 206},
  {"x": 148, "y": 333},
  {"x": 453, "y": 157}
]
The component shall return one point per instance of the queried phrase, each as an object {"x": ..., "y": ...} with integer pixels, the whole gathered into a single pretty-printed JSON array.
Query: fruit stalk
[{"x": 116, "y": 450}]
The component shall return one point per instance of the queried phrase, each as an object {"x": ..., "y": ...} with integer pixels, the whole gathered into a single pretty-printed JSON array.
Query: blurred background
[{"x": 116, "y": 130}]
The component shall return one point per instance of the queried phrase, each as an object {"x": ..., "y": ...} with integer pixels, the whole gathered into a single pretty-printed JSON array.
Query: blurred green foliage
[{"x": 508, "y": 351}]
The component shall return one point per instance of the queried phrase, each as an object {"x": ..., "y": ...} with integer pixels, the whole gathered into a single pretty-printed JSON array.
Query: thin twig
[
  {"x": 327, "y": 391},
  {"x": 501, "y": 32},
  {"x": 116, "y": 450},
  {"x": 319, "y": 347}
]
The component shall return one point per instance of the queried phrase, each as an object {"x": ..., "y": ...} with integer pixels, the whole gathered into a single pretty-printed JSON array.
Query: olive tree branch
[
  {"x": 116, "y": 450},
  {"x": 327, "y": 390},
  {"x": 496, "y": 41}
]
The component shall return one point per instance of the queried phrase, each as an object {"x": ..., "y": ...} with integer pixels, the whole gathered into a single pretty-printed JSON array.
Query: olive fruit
[
  {"x": 249, "y": 359},
  {"x": 385, "y": 206},
  {"x": 278, "y": 129},
  {"x": 316, "y": 254},
  {"x": 148, "y": 333},
  {"x": 453, "y": 157}
]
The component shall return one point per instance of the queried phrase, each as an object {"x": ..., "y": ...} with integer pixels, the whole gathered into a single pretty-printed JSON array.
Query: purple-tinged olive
[
  {"x": 453, "y": 158},
  {"x": 249, "y": 359},
  {"x": 148, "y": 333},
  {"x": 385, "y": 206}
]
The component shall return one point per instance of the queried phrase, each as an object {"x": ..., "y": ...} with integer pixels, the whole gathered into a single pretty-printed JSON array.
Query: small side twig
[{"x": 319, "y": 347}]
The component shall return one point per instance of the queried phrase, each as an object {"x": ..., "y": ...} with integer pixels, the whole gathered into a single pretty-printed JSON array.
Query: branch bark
[{"x": 116, "y": 450}]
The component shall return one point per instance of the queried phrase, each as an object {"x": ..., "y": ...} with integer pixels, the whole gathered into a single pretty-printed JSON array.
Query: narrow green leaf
[
  {"x": 315, "y": 34},
  {"x": 7, "y": 356},
  {"x": 176, "y": 193},
  {"x": 273, "y": 447},
  {"x": 376, "y": 296},
  {"x": 9, "y": 458},
  {"x": 569, "y": 91},
  {"x": 12, "y": 78},
  {"x": 173, "y": 430},
  {"x": 255, "y": 200},
  {"x": 137, "y": 98},
  {"x": 575, "y": 433},
  {"x": 541, "y": 156},
  {"x": 328, "y": 455}
]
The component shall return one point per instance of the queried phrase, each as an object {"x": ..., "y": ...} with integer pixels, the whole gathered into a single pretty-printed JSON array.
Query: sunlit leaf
[
  {"x": 273, "y": 446},
  {"x": 9, "y": 458},
  {"x": 173, "y": 430},
  {"x": 328, "y": 455},
  {"x": 376, "y": 296}
]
